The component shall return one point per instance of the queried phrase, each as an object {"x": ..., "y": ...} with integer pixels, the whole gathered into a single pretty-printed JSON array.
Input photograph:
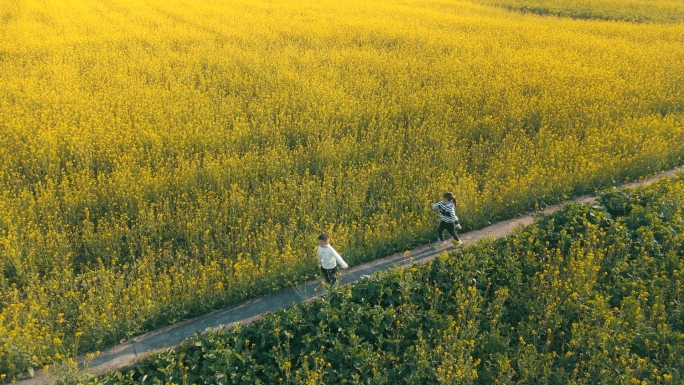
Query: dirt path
[{"x": 126, "y": 353}]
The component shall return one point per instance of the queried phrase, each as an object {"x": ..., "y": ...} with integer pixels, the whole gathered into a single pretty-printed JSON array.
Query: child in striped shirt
[{"x": 449, "y": 220}]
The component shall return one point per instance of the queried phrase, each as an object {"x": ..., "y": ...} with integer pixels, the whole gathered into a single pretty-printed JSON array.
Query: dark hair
[
  {"x": 324, "y": 237},
  {"x": 449, "y": 196}
]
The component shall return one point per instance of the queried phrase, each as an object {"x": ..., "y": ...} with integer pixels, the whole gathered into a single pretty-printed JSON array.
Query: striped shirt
[{"x": 446, "y": 212}]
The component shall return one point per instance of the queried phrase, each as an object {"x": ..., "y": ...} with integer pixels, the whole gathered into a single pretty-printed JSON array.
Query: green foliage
[
  {"x": 590, "y": 294},
  {"x": 653, "y": 11}
]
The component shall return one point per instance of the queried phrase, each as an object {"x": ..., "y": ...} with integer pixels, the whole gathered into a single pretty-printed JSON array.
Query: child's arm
[
  {"x": 435, "y": 206},
  {"x": 339, "y": 259}
]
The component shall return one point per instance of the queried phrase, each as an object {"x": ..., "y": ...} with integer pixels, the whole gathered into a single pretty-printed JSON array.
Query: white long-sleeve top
[{"x": 328, "y": 258}]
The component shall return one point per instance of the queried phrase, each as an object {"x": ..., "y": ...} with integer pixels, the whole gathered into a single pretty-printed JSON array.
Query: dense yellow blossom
[{"x": 159, "y": 159}]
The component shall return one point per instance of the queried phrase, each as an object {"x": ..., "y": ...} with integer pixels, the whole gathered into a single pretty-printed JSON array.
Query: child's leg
[
  {"x": 333, "y": 275},
  {"x": 451, "y": 228},
  {"x": 440, "y": 230},
  {"x": 326, "y": 275}
]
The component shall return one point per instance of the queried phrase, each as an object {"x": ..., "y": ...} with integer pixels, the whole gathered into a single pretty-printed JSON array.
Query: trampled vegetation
[
  {"x": 591, "y": 294},
  {"x": 163, "y": 158}
]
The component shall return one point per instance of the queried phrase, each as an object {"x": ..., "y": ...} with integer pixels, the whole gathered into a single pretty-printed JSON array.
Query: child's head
[
  {"x": 323, "y": 240},
  {"x": 448, "y": 198}
]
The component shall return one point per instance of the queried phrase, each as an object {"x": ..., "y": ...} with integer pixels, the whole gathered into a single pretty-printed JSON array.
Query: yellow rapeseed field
[{"x": 162, "y": 158}]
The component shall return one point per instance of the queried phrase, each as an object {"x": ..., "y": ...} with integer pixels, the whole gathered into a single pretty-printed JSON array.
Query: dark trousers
[
  {"x": 330, "y": 275},
  {"x": 450, "y": 227}
]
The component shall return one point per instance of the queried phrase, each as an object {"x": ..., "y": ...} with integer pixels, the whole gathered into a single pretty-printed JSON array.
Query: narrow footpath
[{"x": 128, "y": 352}]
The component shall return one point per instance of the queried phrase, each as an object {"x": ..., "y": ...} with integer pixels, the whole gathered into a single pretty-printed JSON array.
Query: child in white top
[{"x": 329, "y": 258}]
